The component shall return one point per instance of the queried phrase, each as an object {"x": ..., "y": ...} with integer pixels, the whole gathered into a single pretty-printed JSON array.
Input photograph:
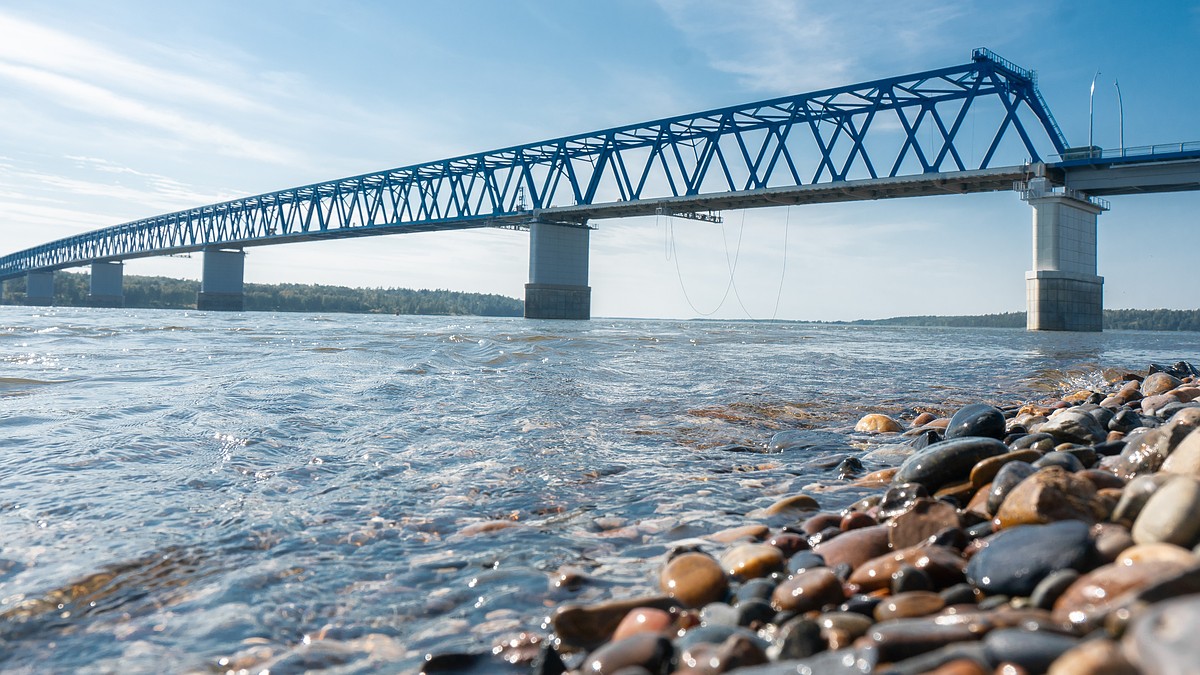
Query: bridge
[{"x": 888, "y": 138}]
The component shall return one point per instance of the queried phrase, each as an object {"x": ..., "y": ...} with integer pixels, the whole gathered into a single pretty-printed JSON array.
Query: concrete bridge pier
[
  {"x": 558, "y": 272},
  {"x": 1063, "y": 291},
  {"x": 221, "y": 288},
  {"x": 107, "y": 285},
  {"x": 39, "y": 288}
]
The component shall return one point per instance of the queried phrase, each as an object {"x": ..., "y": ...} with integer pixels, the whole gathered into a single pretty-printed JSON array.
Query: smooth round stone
[
  {"x": 754, "y": 612},
  {"x": 1163, "y": 640},
  {"x": 750, "y": 561},
  {"x": 977, "y": 419},
  {"x": 944, "y": 566},
  {"x": 793, "y": 504},
  {"x": 876, "y": 423},
  {"x": 899, "y": 498},
  {"x": 985, "y": 471},
  {"x": 1093, "y": 657},
  {"x": 817, "y": 522},
  {"x": 1032, "y": 650},
  {"x": 718, "y": 614},
  {"x": 588, "y": 626},
  {"x": 1039, "y": 442},
  {"x": 788, "y": 542},
  {"x": 1055, "y": 458},
  {"x": 714, "y": 634},
  {"x": 904, "y": 638},
  {"x": 1159, "y": 383},
  {"x": 1160, "y": 551},
  {"x": 1135, "y": 495},
  {"x": 799, "y": 638},
  {"x": 643, "y": 620},
  {"x": 1006, "y": 479},
  {"x": 856, "y": 520},
  {"x": 1072, "y": 426},
  {"x": 755, "y": 589},
  {"x": 1087, "y": 602},
  {"x": 851, "y": 623},
  {"x": 948, "y": 462},
  {"x": 694, "y": 579},
  {"x": 736, "y": 652},
  {"x": 910, "y": 578},
  {"x": 1110, "y": 540},
  {"x": 1051, "y": 587},
  {"x": 1125, "y": 421},
  {"x": 923, "y": 419},
  {"x": 854, "y": 547},
  {"x": 860, "y": 604},
  {"x": 1170, "y": 515},
  {"x": 1015, "y": 560},
  {"x": 923, "y": 519},
  {"x": 1185, "y": 459},
  {"x": 1103, "y": 479},
  {"x": 1049, "y": 495},
  {"x": 652, "y": 652},
  {"x": 808, "y": 591},
  {"x": 804, "y": 560},
  {"x": 959, "y": 594},
  {"x": 909, "y": 605}
]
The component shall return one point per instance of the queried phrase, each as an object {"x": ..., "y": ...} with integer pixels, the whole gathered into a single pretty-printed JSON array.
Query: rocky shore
[{"x": 1058, "y": 536}]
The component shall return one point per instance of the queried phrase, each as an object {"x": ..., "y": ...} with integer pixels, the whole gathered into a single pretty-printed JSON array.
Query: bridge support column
[
  {"x": 39, "y": 288},
  {"x": 107, "y": 285},
  {"x": 1063, "y": 292},
  {"x": 558, "y": 272},
  {"x": 221, "y": 285}
]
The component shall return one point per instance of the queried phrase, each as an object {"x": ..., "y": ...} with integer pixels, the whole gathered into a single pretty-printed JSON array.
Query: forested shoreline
[
  {"x": 71, "y": 290},
  {"x": 1114, "y": 319}
]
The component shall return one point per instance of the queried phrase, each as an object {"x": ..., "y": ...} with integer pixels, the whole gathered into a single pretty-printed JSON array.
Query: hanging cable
[
  {"x": 679, "y": 275},
  {"x": 787, "y": 222}
]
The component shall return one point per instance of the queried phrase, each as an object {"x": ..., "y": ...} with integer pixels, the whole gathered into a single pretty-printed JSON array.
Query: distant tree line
[
  {"x": 1114, "y": 319},
  {"x": 71, "y": 290}
]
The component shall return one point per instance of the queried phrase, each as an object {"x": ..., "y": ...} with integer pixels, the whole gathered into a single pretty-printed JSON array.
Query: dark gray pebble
[
  {"x": 1006, "y": 479},
  {"x": 977, "y": 419},
  {"x": 947, "y": 462},
  {"x": 1051, "y": 587},
  {"x": 1063, "y": 459},
  {"x": 1033, "y": 650},
  {"x": 1017, "y": 559}
]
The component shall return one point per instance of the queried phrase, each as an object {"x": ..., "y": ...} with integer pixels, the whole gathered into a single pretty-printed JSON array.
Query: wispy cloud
[{"x": 803, "y": 45}]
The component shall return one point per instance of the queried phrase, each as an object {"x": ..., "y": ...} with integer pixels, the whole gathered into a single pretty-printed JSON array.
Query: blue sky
[{"x": 118, "y": 110}]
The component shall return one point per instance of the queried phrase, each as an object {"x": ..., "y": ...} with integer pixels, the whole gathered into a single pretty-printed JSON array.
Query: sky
[{"x": 124, "y": 109}]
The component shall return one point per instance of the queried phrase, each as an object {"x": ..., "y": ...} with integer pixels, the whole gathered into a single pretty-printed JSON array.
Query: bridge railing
[{"x": 1156, "y": 150}]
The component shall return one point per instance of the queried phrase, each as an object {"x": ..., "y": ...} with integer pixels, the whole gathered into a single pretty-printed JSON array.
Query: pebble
[
  {"x": 923, "y": 519},
  {"x": 899, "y": 498},
  {"x": 754, "y": 531},
  {"x": 1093, "y": 657},
  {"x": 854, "y": 547},
  {"x": 1134, "y": 497},
  {"x": 948, "y": 462},
  {"x": 792, "y": 505},
  {"x": 807, "y": 591},
  {"x": 798, "y": 638},
  {"x": 1063, "y": 459},
  {"x": 876, "y": 423},
  {"x": 1158, "y": 551},
  {"x": 1048, "y": 495},
  {"x": 1086, "y": 602},
  {"x": 1015, "y": 560},
  {"x": 908, "y": 605},
  {"x": 943, "y": 565},
  {"x": 694, "y": 579},
  {"x": 1051, "y": 587},
  {"x": 1185, "y": 459},
  {"x": 1032, "y": 650},
  {"x": 1159, "y": 383},
  {"x": 652, "y": 652},
  {"x": 1170, "y": 514},
  {"x": 643, "y": 620},
  {"x": 985, "y": 471},
  {"x": 750, "y": 561},
  {"x": 1009, "y": 475},
  {"x": 977, "y": 419},
  {"x": 1070, "y": 426},
  {"x": 1163, "y": 640},
  {"x": 587, "y": 626}
]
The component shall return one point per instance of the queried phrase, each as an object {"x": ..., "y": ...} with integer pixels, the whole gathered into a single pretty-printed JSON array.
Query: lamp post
[
  {"x": 1121, "y": 113},
  {"x": 1091, "y": 124}
]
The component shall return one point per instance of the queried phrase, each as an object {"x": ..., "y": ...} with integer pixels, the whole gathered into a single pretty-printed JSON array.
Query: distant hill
[
  {"x": 71, "y": 290},
  {"x": 1114, "y": 319}
]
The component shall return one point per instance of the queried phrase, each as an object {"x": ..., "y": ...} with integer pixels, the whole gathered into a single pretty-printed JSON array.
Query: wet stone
[
  {"x": 944, "y": 567},
  {"x": 1050, "y": 494},
  {"x": 1093, "y": 657},
  {"x": 1170, "y": 514},
  {"x": 985, "y": 471},
  {"x": 586, "y": 626},
  {"x": 856, "y": 520},
  {"x": 807, "y": 591},
  {"x": 923, "y": 519},
  {"x": 714, "y": 635},
  {"x": 793, "y": 440},
  {"x": 805, "y": 560},
  {"x": 977, "y": 419},
  {"x": 750, "y": 561},
  {"x": 1134, "y": 497},
  {"x": 854, "y": 547},
  {"x": 718, "y": 614},
  {"x": 900, "y": 497},
  {"x": 1038, "y": 442},
  {"x": 1163, "y": 640},
  {"x": 798, "y": 638},
  {"x": 948, "y": 462},
  {"x": 789, "y": 543},
  {"x": 694, "y": 579},
  {"x": 1062, "y": 459},
  {"x": 1159, "y": 383},
  {"x": 959, "y": 594},
  {"x": 652, "y": 652},
  {"x": 1125, "y": 421},
  {"x": 876, "y": 423},
  {"x": 1015, "y": 560},
  {"x": 1032, "y": 650},
  {"x": 1051, "y": 587},
  {"x": 904, "y": 638},
  {"x": 1110, "y": 540},
  {"x": 1087, "y": 602},
  {"x": 910, "y": 578},
  {"x": 1185, "y": 459},
  {"x": 1006, "y": 479},
  {"x": 755, "y": 589},
  {"x": 1071, "y": 426},
  {"x": 909, "y": 605}
]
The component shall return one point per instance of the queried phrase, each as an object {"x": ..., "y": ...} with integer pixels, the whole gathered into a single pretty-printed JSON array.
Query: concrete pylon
[
  {"x": 558, "y": 272},
  {"x": 1063, "y": 291},
  {"x": 107, "y": 284},
  {"x": 39, "y": 288},
  {"x": 221, "y": 287}
]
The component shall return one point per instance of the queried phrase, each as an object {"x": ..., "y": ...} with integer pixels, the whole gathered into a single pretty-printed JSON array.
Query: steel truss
[{"x": 905, "y": 125}]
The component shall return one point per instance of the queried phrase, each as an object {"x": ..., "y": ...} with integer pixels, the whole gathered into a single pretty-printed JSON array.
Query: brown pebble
[
  {"x": 819, "y": 521},
  {"x": 588, "y": 626},
  {"x": 904, "y": 638},
  {"x": 694, "y": 579},
  {"x": 1110, "y": 540},
  {"x": 1086, "y": 602},
  {"x": 789, "y": 542},
  {"x": 909, "y": 605},
  {"x": 1102, "y": 479},
  {"x": 1161, "y": 551},
  {"x": 854, "y": 547},
  {"x": 923, "y": 519},
  {"x": 643, "y": 620},
  {"x": 923, "y": 419},
  {"x": 1051, "y": 494},
  {"x": 856, "y": 520},
  {"x": 961, "y": 667},
  {"x": 943, "y": 565},
  {"x": 986, "y": 469},
  {"x": 807, "y": 591},
  {"x": 652, "y": 652},
  {"x": 751, "y": 561},
  {"x": 880, "y": 477},
  {"x": 790, "y": 505},
  {"x": 1093, "y": 657},
  {"x": 876, "y": 423}
]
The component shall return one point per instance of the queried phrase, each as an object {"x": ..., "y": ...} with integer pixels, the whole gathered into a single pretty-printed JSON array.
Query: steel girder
[{"x": 905, "y": 125}]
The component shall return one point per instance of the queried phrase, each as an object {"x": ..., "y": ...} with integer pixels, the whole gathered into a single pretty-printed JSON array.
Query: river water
[{"x": 185, "y": 491}]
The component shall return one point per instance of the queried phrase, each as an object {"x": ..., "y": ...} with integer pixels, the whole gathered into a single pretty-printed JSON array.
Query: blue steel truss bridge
[{"x": 979, "y": 126}]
